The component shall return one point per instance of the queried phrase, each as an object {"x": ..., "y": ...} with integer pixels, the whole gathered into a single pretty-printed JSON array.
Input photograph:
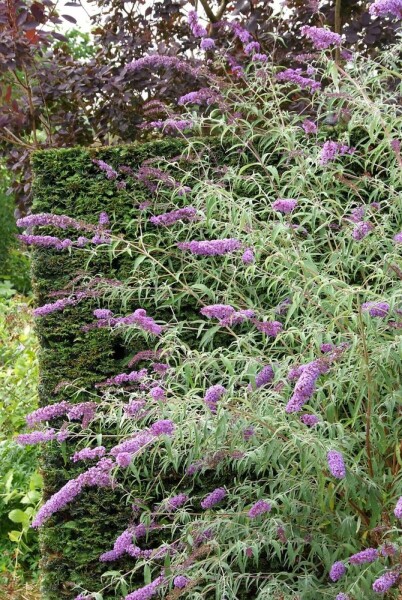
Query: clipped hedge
[{"x": 67, "y": 182}]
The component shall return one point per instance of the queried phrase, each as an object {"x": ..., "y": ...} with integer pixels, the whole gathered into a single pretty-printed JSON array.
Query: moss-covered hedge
[{"x": 67, "y": 182}]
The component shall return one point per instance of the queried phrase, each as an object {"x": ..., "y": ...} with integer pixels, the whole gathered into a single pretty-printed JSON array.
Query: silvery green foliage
[{"x": 309, "y": 258}]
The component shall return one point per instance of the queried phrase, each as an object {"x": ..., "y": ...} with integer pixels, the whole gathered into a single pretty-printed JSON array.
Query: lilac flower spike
[
  {"x": 264, "y": 377},
  {"x": 187, "y": 213},
  {"x": 110, "y": 172},
  {"x": 180, "y": 582},
  {"x": 176, "y": 501},
  {"x": 213, "y": 395},
  {"x": 385, "y": 582},
  {"x": 309, "y": 420},
  {"x": 322, "y": 38},
  {"x": 163, "y": 427},
  {"x": 259, "y": 508},
  {"x": 207, "y": 44},
  {"x": 202, "y": 96},
  {"x": 159, "y": 61},
  {"x": 337, "y": 571},
  {"x": 97, "y": 476},
  {"x": 248, "y": 256},
  {"x": 146, "y": 592},
  {"x": 284, "y": 205},
  {"x": 47, "y": 413},
  {"x": 361, "y": 230},
  {"x": 226, "y": 314},
  {"x": 295, "y": 76},
  {"x": 365, "y": 556},
  {"x": 89, "y": 453},
  {"x": 211, "y": 247},
  {"x": 196, "y": 29},
  {"x": 398, "y": 238},
  {"x": 342, "y": 596},
  {"x": 398, "y": 509},
  {"x": 213, "y": 498},
  {"x": 270, "y": 328},
  {"x": 251, "y": 48},
  {"x": 60, "y": 221},
  {"x": 120, "y": 547},
  {"x": 309, "y": 127},
  {"x": 305, "y": 385},
  {"x": 376, "y": 309},
  {"x": 336, "y": 464},
  {"x": 331, "y": 150},
  {"x": 382, "y": 8},
  {"x": 36, "y": 437}
]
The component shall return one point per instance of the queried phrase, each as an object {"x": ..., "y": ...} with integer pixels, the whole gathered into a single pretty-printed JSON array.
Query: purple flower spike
[
  {"x": 188, "y": 213},
  {"x": 213, "y": 498},
  {"x": 309, "y": 420},
  {"x": 211, "y": 247},
  {"x": 259, "y": 508},
  {"x": 361, "y": 230},
  {"x": 398, "y": 509},
  {"x": 337, "y": 571},
  {"x": 207, "y": 44},
  {"x": 342, "y": 596},
  {"x": 385, "y": 582},
  {"x": 322, "y": 38},
  {"x": 376, "y": 309},
  {"x": 248, "y": 256},
  {"x": 309, "y": 127},
  {"x": 336, "y": 464},
  {"x": 264, "y": 377},
  {"x": 213, "y": 395},
  {"x": 398, "y": 238},
  {"x": 163, "y": 427},
  {"x": 180, "y": 582},
  {"x": 270, "y": 328},
  {"x": 146, "y": 592},
  {"x": 365, "y": 556},
  {"x": 304, "y": 389},
  {"x": 284, "y": 205},
  {"x": 383, "y": 8},
  {"x": 36, "y": 437}
]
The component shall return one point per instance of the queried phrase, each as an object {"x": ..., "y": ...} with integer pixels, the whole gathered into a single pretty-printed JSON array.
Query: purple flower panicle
[
  {"x": 47, "y": 413},
  {"x": 361, "y": 230},
  {"x": 89, "y": 453},
  {"x": 305, "y": 386},
  {"x": 322, "y": 38},
  {"x": 385, "y": 582},
  {"x": 259, "y": 508},
  {"x": 337, "y": 571},
  {"x": 36, "y": 437},
  {"x": 376, "y": 309},
  {"x": 264, "y": 377},
  {"x": 248, "y": 256},
  {"x": 365, "y": 556},
  {"x": 309, "y": 420},
  {"x": 60, "y": 221},
  {"x": 203, "y": 96},
  {"x": 213, "y": 395},
  {"x": 146, "y": 592},
  {"x": 284, "y": 205},
  {"x": 211, "y": 247},
  {"x": 336, "y": 464},
  {"x": 331, "y": 150},
  {"x": 295, "y": 76},
  {"x": 180, "y": 582},
  {"x": 187, "y": 213},
  {"x": 270, "y": 328},
  {"x": 97, "y": 476},
  {"x": 207, "y": 44},
  {"x": 398, "y": 509},
  {"x": 383, "y": 8},
  {"x": 213, "y": 498},
  {"x": 106, "y": 168},
  {"x": 309, "y": 127}
]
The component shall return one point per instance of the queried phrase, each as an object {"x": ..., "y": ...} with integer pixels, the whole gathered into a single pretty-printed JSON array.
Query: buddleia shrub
[{"x": 254, "y": 424}]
